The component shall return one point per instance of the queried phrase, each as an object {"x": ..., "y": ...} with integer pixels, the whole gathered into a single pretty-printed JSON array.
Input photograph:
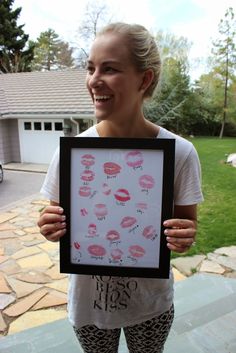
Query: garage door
[{"x": 39, "y": 139}]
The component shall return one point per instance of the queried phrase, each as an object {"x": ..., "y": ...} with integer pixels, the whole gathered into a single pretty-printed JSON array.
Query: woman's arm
[{"x": 181, "y": 230}]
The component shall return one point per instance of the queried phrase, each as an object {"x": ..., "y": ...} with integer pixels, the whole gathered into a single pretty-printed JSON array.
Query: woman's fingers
[
  {"x": 52, "y": 223},
  {"x": 180, "y": 234}
]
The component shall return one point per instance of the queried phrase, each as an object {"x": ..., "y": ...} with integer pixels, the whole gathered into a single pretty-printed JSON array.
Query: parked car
[{"x": 1, "y": 172}]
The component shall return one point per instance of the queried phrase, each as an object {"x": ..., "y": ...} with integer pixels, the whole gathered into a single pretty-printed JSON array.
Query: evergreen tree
[
  {"x": 167, "y": 107},
  {"x": 51, "y": 53},
  {"x": 15, "y": 53}
]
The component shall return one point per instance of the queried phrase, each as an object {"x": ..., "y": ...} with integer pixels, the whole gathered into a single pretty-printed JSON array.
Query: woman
[{"x": 123, "y": 69}]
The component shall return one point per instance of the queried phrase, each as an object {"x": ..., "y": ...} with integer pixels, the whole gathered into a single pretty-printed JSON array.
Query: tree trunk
[{"x": 225, "y": 96}]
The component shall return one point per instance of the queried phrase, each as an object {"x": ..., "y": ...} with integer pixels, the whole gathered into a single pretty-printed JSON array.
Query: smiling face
[{"x": 113, "y": 81}]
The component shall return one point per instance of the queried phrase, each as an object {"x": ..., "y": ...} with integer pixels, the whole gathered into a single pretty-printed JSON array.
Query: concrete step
[{"x": 205, "y": 322}]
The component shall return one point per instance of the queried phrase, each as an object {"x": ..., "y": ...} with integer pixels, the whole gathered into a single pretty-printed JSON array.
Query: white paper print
[{"x": 116, "y": 202}]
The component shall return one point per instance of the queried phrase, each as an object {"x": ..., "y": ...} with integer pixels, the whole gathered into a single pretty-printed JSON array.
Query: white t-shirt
[{"x": 113, "y": 302}]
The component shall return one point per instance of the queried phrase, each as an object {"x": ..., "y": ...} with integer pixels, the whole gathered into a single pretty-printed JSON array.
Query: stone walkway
[{"x": 33, "y": 292}]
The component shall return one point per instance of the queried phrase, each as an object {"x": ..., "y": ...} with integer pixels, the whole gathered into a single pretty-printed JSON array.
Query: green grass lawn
[{"x": 217, "y": 214}]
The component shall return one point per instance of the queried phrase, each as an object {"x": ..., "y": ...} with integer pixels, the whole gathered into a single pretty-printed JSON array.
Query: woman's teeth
[{"x": 101, "y": 98}]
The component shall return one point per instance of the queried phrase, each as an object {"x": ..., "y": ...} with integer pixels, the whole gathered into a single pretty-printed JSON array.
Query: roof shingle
[{"x": 49, "y": 92}]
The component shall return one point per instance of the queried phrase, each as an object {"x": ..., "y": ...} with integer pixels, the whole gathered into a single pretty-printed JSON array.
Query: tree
[
  {"x": 224, "y": 51},
  {"x": 16, "y": 53},
  {"x": 51, "y": 53},
  {"x": 167, "y": 107},
  {"x": 95, "y": 17}
]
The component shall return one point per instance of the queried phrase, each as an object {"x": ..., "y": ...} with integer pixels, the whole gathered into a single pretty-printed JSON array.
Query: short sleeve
[
  {"x": 188, "y": 181},
  {"x": 50, "y": 188}
]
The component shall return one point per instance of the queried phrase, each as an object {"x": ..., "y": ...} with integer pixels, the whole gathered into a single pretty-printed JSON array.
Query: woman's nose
[{"x": 95, "y": 80}]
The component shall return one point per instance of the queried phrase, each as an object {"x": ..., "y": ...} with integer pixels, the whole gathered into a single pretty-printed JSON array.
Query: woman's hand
[
  {"x": 52, "y": 222},
  {"x": 180, "y": 234}
]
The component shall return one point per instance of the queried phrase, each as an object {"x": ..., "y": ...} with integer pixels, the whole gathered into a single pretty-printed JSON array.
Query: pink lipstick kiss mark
[
  {"x": 122, "y": 195},
  {"x": 136, "y": 251},
  {"x": 111, "y": 168},
  {"x": 149, "y": 232},
  {"x": 100, "y": 210},
  {"x": 116, "y": 254},
  {"x": 134, "y": 159},
  {"x": 92, "y": 229},
  {"x": 88, "y": 160},
  {"x": 77, "y": 245},
  {"x": 113, "y": 235},
  {"x": 106, "y": 189},
  {"x": 85, "y": 191},
  {"x": 141, "y": 205},
  {"x": 96, "y": 250},
  {"x": 87, "y": 175},
  {"x": 146, "y": 181},
  {"x": 128, "y": 222}
]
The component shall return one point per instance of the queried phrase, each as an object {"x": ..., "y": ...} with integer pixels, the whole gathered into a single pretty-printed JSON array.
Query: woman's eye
[
  {"x": 110, "y": 69},
  {"x": 90, "y": 69}
]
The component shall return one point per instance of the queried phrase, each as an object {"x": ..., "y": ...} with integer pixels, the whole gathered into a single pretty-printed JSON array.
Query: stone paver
[
  {"x": 34, "y": 277},
  {"x": 32, "y": 289},
  {"x": 40, "y": 260},
  {"x": 25, "y": 304},
  {"x": 7, "y": 216},
  {"x": 4, "y": 288},
  {"x": 21, "y": 288},
  {"x": 51, "y": 299},
  {"x": 189, "y": 264},
  {"x": 3, "y": 325},
  {"x": 211, "y": 267},
  {"x": 26, "y": 252},
  {"x": 36, "y": 318},
  {"x": 5, "y": 300}
]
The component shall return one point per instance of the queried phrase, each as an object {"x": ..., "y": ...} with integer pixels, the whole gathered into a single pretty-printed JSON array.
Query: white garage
[
  {"x": 37, "y": 108},
  {"x": 39, "y": 139}
]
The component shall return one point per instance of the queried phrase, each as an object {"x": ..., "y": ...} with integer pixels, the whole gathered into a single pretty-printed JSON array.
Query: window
[
  {"x": 47, "y": 126},
  {"x": 37, "y": 126},
  {"x": 58, "y": 127},
  {"x": 27, "y": 125}
]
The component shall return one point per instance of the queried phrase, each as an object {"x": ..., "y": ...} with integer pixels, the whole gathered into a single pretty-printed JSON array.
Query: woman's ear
[{"x": 147, "y": 79}]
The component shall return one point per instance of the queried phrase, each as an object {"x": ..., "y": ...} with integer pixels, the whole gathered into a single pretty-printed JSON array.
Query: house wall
[{"x": 9, "y": 141}]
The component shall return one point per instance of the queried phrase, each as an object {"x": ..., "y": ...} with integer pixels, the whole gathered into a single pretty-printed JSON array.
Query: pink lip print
[
  {"x": 146, "y": 181},
  {"x": 106, "y": 189},
  {"x": 77, "y": 245},
  {"x": 87, "y": 175},
  {"x": 128, "y": 222},
  {"x": 134, "y": 159},
  {"x": 141, "y": 205},
  {"x": 92, "y": 229},
  {"x": 111, "y": 168},
  {"x": 113, "y": 235},
  {"x": 136, "y": 251},
  {"x": 122, "y": 195},
  {"x": 116, "y": 254},
  {"x": 85, "y": 191},
  {"x": 100, "y": 210},
  {"x": 149, "y": 232},
  {"x": 88, "y": 160},
  {"x": 96, "y": 250}
]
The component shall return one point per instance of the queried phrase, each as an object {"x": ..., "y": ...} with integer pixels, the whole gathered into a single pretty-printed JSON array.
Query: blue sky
[{"x": 197, "y": 20}]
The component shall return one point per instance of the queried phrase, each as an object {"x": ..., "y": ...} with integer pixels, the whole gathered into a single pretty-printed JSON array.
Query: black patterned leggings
[{"x": 147, "y": 337}]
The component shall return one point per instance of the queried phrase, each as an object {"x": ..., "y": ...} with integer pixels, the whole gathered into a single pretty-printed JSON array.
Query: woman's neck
[{"x": 141, "y": 129}]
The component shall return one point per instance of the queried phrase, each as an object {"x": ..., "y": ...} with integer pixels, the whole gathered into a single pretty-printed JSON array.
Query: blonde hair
[{"x": 143, "y": 49}]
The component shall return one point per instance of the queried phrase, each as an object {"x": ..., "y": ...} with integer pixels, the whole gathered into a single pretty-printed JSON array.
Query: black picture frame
[{"x": 93, "y": 172}]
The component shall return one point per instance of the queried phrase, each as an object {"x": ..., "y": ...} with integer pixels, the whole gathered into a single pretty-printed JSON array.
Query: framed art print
[{"x": 116, "y": 193}]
